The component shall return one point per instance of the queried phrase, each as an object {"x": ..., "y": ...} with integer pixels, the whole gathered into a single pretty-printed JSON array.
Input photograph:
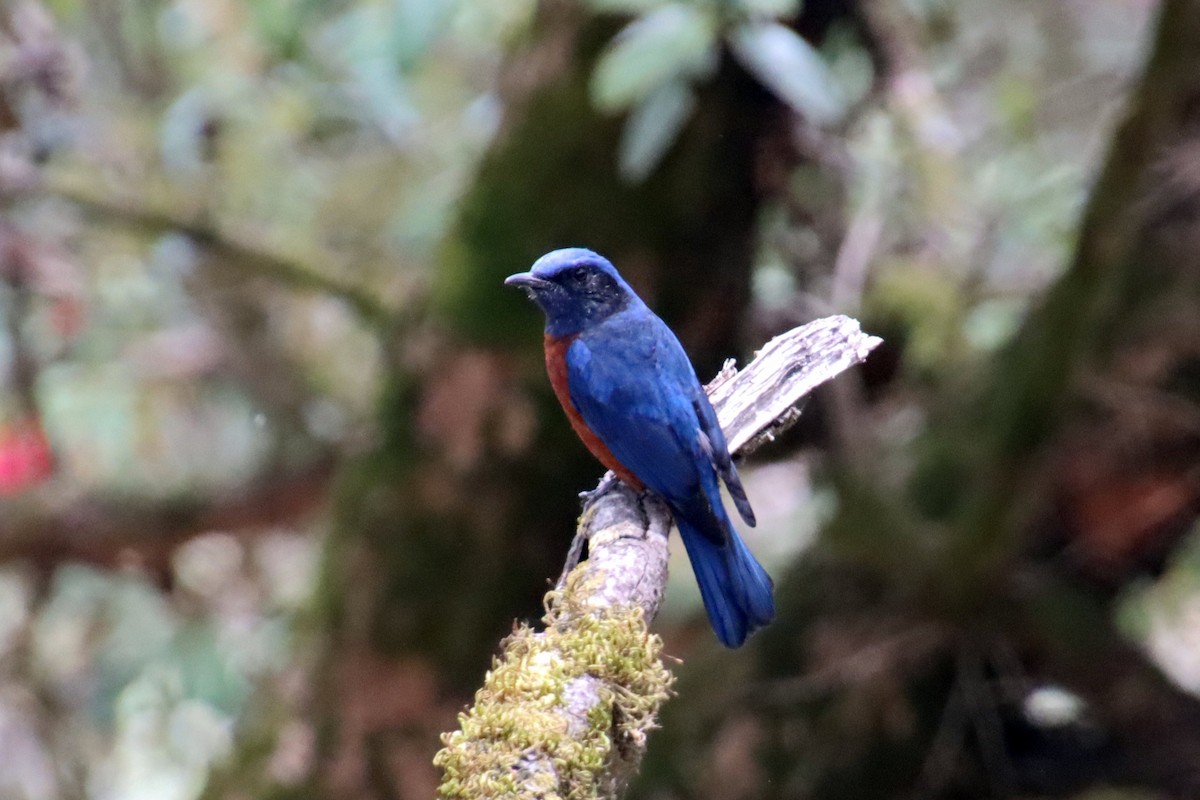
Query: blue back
[{"x": 635, "y": 389}]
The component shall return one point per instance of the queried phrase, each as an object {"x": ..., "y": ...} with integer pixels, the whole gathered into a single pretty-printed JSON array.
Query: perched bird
[{"x": 631, "y": 394}]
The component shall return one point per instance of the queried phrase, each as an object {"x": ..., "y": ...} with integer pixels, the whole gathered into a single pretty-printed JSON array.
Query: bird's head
[{"x": 575, "y": 287}]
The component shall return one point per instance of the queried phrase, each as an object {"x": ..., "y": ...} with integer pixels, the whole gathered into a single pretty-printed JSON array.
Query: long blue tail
[{"x": 735, "y": 588}]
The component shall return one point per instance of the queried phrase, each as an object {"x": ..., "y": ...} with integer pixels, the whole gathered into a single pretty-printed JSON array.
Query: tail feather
[
  {"x": 737, "y": 591},
  {"x": 734, "y": 484}
]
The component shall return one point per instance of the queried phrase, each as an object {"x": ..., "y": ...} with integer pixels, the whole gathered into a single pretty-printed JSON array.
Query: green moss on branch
[{"x": 564, "y": 712}]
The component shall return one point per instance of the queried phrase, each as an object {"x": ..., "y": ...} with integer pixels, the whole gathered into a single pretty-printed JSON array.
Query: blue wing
[
  {"x": 718, "y": 452},
  {"x": 635, "y": 388}
]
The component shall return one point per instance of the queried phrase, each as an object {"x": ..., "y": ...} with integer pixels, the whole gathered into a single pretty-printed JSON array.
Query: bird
[{"x": 632, "y": 396}]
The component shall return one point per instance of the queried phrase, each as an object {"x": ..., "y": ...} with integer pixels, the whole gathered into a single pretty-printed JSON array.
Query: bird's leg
[
  {"x": 606, "y": 483},
  {"x": 575, "y": 553}
]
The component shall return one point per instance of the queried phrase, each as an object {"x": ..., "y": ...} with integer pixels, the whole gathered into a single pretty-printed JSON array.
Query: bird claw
[
  {"x": 575, "y": 553},
  {"x": 606, "y": 484}
]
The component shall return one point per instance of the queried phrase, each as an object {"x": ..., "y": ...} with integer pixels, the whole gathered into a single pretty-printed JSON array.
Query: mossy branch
[{"x": 565, "y": 712}]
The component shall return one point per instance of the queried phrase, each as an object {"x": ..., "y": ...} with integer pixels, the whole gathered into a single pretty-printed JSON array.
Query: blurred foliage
[
  {"x": 223, "y": 225},
  {"x": 653, "y": 63},
  {"x": 243, "y": 200}
]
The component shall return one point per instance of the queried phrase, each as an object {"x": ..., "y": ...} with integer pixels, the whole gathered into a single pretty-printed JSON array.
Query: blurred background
[{"x": 279, "y": 464}]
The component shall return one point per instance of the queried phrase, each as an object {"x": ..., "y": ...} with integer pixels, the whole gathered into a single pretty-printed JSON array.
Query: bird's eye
[{"x": 579, "y": 275}]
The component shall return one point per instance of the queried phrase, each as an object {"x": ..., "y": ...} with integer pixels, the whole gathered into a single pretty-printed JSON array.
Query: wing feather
[{"x": 657, "y": 423}]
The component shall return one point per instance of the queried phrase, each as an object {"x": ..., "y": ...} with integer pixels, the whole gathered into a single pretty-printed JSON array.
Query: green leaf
[
  {"x": 652, "y": 128},
  {"x": 673, "y": 42},
  {"x": 791, "y": 68}
]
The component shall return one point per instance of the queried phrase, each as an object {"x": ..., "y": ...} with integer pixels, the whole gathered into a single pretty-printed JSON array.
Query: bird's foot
[
  {"x": 575, "y": 553},
  {"x": 606, "y": 484}
]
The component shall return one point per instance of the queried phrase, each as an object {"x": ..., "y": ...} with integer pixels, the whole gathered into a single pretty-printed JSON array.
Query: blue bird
[{"x": 632, "y": 396}]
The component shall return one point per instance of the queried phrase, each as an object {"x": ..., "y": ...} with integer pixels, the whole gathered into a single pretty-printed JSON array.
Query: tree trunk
[{"x": 912, "y": 643}]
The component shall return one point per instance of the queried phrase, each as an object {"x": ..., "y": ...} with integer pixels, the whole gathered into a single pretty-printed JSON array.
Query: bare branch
[
  {"x": 565, "y": 712},
  {"x": 756, "y": 404},
  {"x": 46, "y": 529},
  {"x": 295, "y": 269}
]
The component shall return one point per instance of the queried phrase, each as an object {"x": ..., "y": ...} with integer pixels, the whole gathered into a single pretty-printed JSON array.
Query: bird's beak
[{"x": 527, "y": 281}]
